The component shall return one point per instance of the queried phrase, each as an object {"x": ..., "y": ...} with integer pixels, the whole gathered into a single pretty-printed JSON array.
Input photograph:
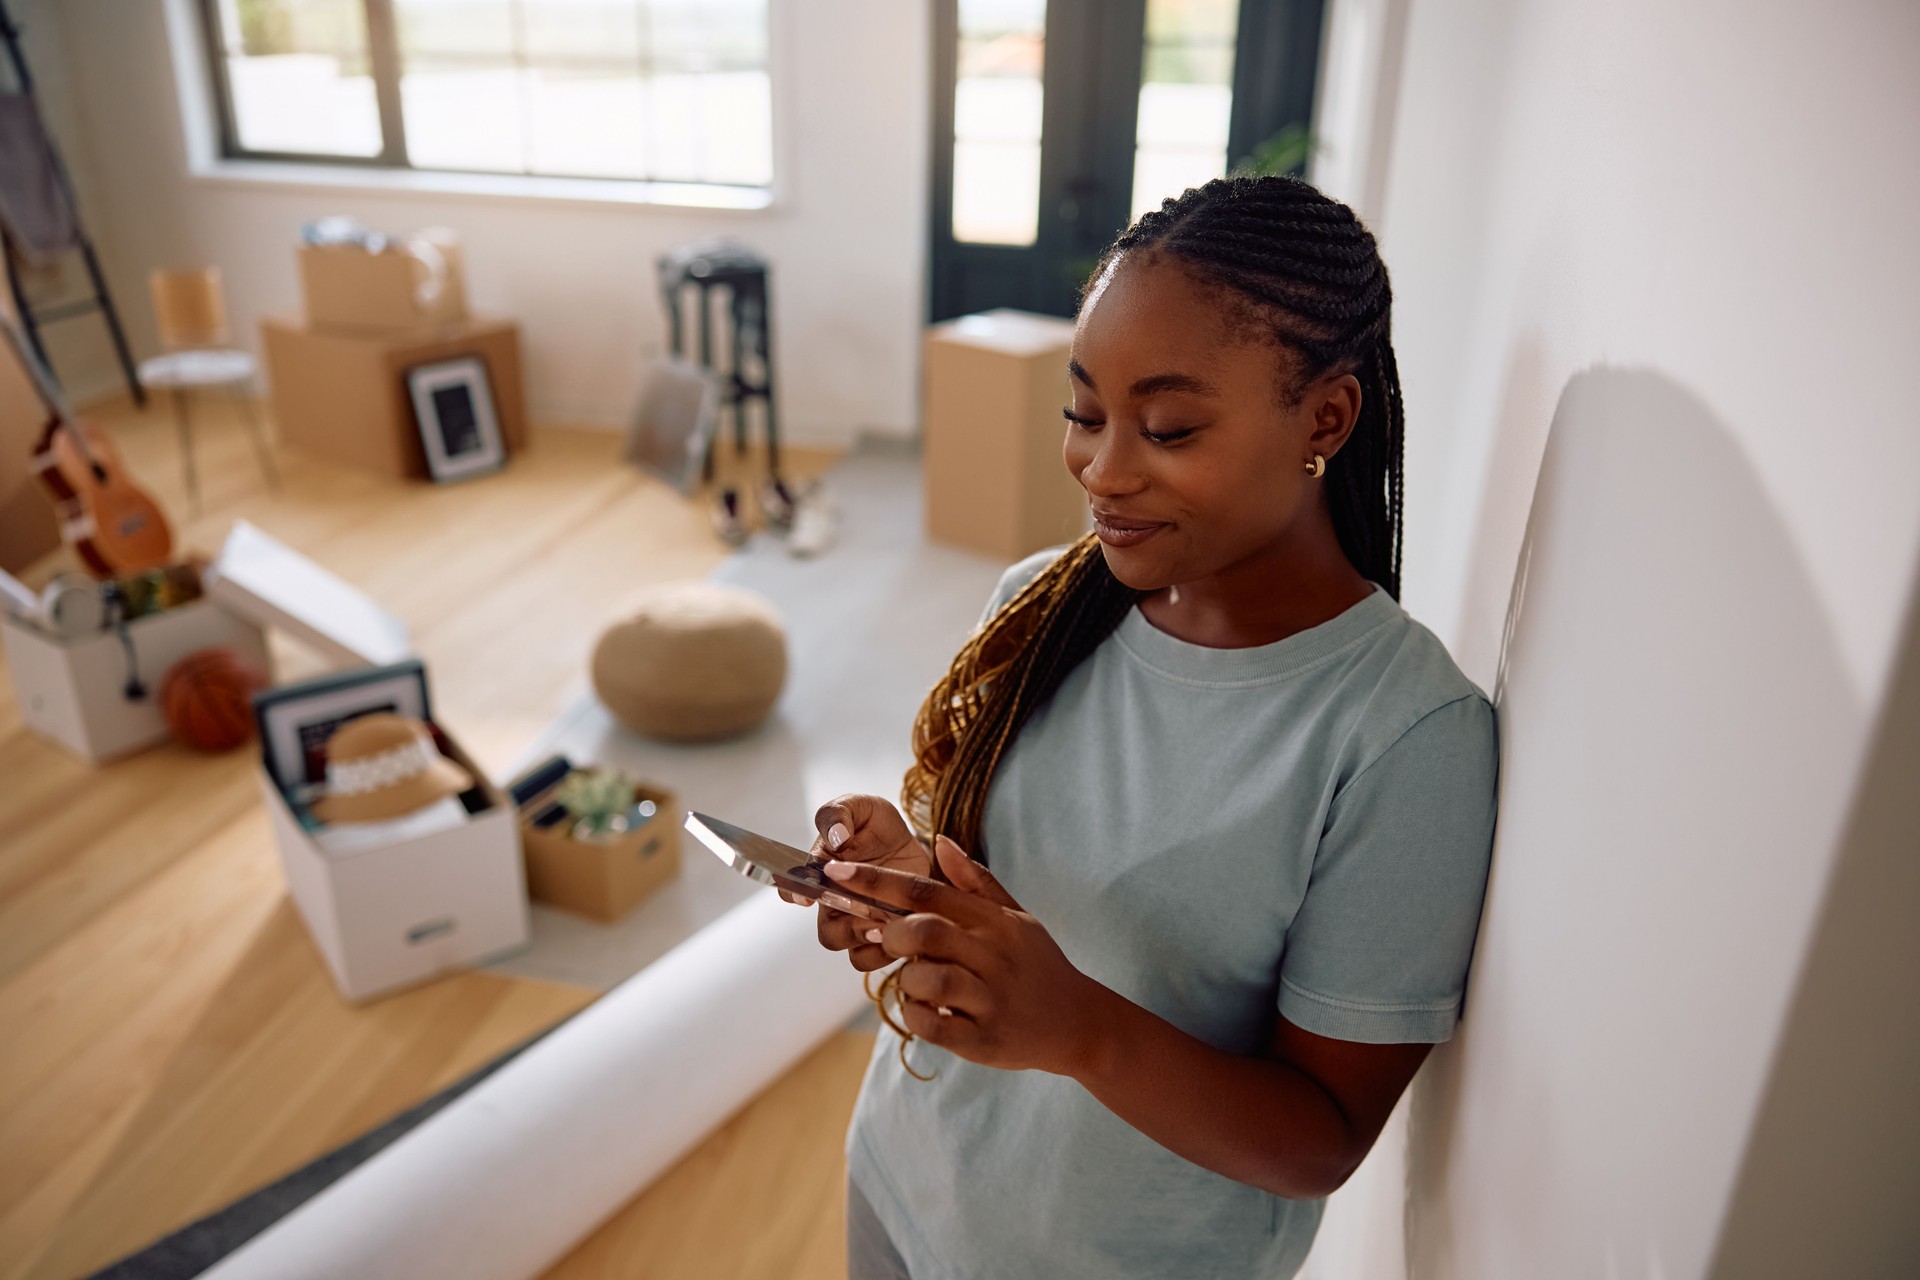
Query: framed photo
[
  {"x": 296, "y": 720},
  {"x": 675, "y": 426},
  {"x": 453, "y": 405}
]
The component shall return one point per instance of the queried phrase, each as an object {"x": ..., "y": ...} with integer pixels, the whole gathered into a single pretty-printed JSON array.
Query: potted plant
[{"x": 600, "y": 801}]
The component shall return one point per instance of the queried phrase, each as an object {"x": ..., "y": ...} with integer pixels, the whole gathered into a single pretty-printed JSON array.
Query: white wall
[
  {"x": 1655, "y": 267},
  {"x": 846, "y": 238}
]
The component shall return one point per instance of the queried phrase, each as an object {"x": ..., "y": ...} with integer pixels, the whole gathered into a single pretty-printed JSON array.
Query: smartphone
[{"x": 784, "y": 867}]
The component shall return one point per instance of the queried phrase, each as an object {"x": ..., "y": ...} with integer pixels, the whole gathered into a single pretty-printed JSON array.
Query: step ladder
[{"x": 100, "y": 300}]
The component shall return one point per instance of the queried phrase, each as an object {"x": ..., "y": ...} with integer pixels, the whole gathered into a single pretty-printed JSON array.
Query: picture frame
[
  {"x": 674, "y": 429},
  {"x": 459, "y": 427},
  {"x": 295, "y": 720}
]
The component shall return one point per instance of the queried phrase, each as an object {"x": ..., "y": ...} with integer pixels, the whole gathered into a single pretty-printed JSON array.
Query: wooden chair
[{"x": 192, "y": 316}]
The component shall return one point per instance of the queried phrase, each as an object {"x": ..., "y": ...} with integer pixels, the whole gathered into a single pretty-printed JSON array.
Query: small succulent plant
[{"x": 598, "y": 799}]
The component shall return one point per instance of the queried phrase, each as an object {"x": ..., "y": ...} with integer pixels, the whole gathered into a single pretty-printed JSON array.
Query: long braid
[
  {"x": 1299, "y": 269},
  {"x": 1015, "y": 662}
]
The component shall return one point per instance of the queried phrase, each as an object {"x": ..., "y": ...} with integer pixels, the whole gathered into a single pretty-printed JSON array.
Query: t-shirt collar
[{"x": 1204, "y": 665}]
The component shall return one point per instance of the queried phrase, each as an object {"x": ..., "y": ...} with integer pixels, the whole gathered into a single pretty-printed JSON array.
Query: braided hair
[{"x": 1299, "y": 268}]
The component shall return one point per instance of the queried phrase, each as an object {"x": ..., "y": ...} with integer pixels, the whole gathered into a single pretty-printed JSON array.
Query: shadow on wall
[{"x": 1677, "y": 742}]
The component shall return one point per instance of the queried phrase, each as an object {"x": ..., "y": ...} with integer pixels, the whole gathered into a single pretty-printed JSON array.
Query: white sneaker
[
  {"x": 776, "y": 504},
  {"x": 816, "y": 522},
  {"x": 728, "y": 519}
]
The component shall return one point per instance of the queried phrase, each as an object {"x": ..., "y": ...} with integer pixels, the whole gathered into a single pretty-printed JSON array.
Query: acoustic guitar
[{"x": 114, "y": 525}]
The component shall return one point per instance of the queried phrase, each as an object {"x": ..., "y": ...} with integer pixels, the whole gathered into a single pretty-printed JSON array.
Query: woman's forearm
[{"x": 1255, "y": 1120}]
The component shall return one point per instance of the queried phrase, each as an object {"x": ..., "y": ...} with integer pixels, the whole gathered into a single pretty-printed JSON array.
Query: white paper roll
[{"x": 506, "y": 1179}]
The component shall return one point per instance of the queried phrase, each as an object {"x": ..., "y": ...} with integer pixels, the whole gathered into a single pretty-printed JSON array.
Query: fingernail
[
  {"x": 837, "y": 835},
  {"x": 873, "y": 935},
  {"x": 839, "y": 870}
]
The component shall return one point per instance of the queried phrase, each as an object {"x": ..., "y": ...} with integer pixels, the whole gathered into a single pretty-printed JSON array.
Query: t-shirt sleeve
[
  {"x": 1378, "y": 950},
  {"x": 1017, "y": 576}
]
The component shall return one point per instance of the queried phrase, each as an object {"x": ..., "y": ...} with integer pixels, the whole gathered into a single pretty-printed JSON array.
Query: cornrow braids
[
  {"x": 1304, "y": 269},
  {"x": 1298, "y": 268}
]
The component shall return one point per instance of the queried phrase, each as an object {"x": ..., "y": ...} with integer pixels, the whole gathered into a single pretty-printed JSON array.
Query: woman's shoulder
[
  {"x": 1403, "y": 679},
  {"x": 1018, "y": 575}
]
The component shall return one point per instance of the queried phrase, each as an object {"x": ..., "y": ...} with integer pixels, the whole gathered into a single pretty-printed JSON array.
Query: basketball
[{"x": 207, "y": 699}]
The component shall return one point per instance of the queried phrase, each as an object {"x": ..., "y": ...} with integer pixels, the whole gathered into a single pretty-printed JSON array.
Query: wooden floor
[{"x": 169, "y": 1039}]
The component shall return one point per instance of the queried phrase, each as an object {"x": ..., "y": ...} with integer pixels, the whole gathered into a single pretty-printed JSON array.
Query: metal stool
[{"x": 696, "y": 271}]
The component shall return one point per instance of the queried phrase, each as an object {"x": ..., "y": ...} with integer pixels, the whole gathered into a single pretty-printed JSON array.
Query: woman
[{"x": 1237, "y": 806}]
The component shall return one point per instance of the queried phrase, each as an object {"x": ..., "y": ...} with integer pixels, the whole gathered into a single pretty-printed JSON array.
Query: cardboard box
[
  {"x": 394, "y": 291},
  {"x": 392, "y": 915},
  {"x": 73, "y": 691},
  {"x": 991, "y": 426},
  {"x": 602, "y": 881},
  {"x": 343, "y": 396}
]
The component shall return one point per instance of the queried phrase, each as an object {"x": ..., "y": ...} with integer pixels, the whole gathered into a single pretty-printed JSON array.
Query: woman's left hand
[{"x": 1014, "y": 1000}]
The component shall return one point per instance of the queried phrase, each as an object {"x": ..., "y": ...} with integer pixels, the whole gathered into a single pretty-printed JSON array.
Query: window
[
  {"x": 996, "y": 121},
  {"x": 673, "y": 91},
  {"x": 1186, "y": 98}
]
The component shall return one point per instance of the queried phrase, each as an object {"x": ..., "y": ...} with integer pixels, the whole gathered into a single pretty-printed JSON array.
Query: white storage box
[
  {"x": 391, "y": 915},
  {"x": 74, "y": 690}
]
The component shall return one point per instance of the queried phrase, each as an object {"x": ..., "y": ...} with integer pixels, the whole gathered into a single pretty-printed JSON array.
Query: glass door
[{"x": 1056, "y": 122}]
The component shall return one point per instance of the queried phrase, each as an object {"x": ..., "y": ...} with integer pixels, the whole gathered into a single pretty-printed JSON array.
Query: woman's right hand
[{"x": 867, "y": 829}]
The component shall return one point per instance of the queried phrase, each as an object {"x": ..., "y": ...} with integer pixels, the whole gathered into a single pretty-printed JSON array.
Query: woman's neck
[{"x": 1281, "y": 591}]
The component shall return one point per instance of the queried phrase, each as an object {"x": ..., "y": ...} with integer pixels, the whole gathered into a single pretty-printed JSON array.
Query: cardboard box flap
[{"x": 272, "y": 585}]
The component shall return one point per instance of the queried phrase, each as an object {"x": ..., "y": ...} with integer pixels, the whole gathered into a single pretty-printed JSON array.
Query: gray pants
[{"x": 870, "y": 1253}]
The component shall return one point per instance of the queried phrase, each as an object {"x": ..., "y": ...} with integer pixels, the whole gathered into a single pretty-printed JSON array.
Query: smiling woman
[{"x": 1238, "y": 806}]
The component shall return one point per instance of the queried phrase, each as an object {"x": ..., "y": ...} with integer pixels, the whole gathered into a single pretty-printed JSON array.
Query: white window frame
[{"x": 200, "y": 122}]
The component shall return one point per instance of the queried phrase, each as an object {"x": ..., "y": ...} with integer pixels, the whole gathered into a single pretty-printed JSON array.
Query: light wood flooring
[{"x": 169, "y": 1039}]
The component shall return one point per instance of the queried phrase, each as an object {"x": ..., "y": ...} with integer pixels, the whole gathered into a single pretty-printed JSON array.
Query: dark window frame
[{"x": 1095, "y": 52}]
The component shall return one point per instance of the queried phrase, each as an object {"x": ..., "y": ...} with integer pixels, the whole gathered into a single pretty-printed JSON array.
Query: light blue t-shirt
[{"x": 1216, "y": 834}]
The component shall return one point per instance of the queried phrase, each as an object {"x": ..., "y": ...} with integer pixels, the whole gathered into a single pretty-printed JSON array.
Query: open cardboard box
[
  {"x": 74, "y": 690},
  {"x": 347, "y": 287},
  {"x": 602, "y": 880}
]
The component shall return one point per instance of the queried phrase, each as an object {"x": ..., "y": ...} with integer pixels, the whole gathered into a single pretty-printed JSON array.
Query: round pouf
[
  {"x": 207, "y": 699},
  {"x": 696, "y": 661}
]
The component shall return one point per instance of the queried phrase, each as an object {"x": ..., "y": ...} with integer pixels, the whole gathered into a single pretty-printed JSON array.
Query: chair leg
[
  {"x": 267, "y": 466},
  {"x": 184, "y": 421}
]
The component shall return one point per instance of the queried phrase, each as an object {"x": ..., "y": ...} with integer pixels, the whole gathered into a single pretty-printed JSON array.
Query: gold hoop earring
[{"x": 1318, "y": 467}]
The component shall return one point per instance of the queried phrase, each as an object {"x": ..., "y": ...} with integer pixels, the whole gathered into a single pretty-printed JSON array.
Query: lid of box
[
  {"x": 1014, "y": 333},
  {"x": 272, "y": 585}
]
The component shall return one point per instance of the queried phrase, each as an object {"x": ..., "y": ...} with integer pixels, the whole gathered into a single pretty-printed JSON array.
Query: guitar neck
[
  {"x": 44, "y": 384},
  {"x": 42, "y": 376}
]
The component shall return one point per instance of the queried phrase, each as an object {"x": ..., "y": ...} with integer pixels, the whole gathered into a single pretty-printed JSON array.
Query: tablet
[{"x": 784, "y": 867}]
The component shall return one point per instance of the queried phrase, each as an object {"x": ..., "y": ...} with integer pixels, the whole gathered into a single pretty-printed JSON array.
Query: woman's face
[{"x": 1180, "y": 431}]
